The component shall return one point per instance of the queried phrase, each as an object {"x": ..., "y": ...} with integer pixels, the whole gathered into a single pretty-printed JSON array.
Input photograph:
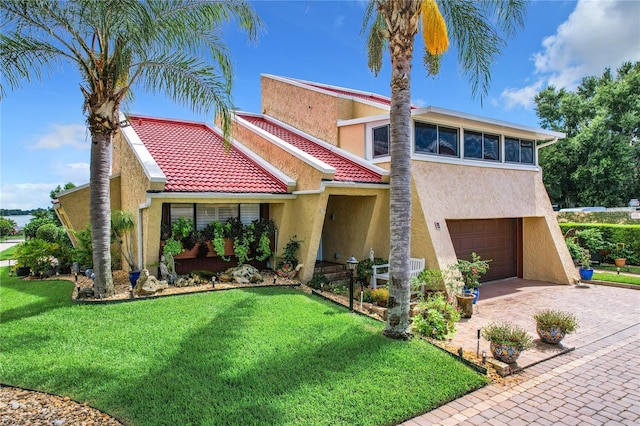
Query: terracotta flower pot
[
  {"x": 465, "y": 303},
  {"x": 621, "y": 261}
]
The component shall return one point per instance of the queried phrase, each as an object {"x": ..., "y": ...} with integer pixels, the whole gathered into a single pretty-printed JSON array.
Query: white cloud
[
  {"x": 26, "y": 196},
  {"x": 597, "y": 35},
  {"x": 61, "y": 135},
  {"x": 78, "y": 173},
  {"x": 511, "y": 98}
]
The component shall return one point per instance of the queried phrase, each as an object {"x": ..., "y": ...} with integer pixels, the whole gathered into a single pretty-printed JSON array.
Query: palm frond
[
  {"x": 375, "y": 27},
  {"x": 476, "y": 40}
]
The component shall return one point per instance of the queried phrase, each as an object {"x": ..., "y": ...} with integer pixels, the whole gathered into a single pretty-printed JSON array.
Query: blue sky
[{"x": 43, "y": 136}]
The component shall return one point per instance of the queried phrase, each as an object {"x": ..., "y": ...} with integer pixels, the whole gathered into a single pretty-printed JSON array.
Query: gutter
[
  {"x": 141, "y": 207},
  {"x": 544, "y": 145}
]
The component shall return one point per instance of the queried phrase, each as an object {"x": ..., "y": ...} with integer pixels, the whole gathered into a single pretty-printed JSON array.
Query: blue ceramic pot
[
  {"x": 585, "y": 274},
  {"x": 475, "y": 292},
  {"x": 133, "y": 277}
]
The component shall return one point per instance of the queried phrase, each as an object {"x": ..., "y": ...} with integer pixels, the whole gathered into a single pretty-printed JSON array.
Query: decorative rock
[
  {"x": 224, "y": 278},
  {"x": 245, "y": 274},
  {"x": 147, "y": 284}
]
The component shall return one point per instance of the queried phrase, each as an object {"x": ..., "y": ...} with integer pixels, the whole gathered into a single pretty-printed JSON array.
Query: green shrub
[
  {"x": 380, "y": 296},
  {"x": 364, "y": 269},
  {"x": 574, "y": 248},
  {"x": 367, "y": 297},
  {"x": 436, "y": 318},
  {"x": 318, "y": 281},
  {"x": 612, "y": 235},
  {"x": 48, "y": 232},
  {"x": 7, "y": 226},
  {"x": 34, "y": 224},
  {"x": 36, "y": 254}
]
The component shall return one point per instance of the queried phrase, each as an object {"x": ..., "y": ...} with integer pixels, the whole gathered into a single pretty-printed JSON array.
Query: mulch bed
[{"x": 26, "y": 407}]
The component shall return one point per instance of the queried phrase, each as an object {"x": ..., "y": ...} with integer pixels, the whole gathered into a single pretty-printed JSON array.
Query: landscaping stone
[{"x": 148, "y": 284}]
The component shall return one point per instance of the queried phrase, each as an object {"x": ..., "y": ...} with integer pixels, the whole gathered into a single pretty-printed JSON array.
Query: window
[
  {"x": 481, "y": 145},
  {"x": 205, "y": 213},
  {"x": 381, "y": 141},
  {"x": 518, "y": 151},
  {"x": 181, "y": 210},
  {"x": 433, "y": 139}
]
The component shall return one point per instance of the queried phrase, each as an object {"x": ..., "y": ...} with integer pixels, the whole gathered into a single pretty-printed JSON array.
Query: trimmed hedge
[
  {"x": 621, "y": 218},
  {"x": 627, "y": 234}
]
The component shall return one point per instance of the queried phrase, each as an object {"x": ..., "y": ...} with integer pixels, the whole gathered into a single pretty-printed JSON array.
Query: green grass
[
  {"x": 615, "y": 278},
  {"x": 626, "y": 268},
  {"x": 8, "y": 253},
  {"x": 258, "y": 356}
]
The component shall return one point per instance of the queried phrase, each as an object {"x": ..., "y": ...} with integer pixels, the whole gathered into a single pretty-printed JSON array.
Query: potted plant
[
  {"x": 619, "y": 255},
  {"x": 471, "y": 271},
  {"x": 428, "y": 282},
  {"x": 182, "y": 230},
  {"x": 586, "y": 272},
  {"x": 464, "y": 301},
  {"x": 264, "y": 230},
  {"x": 122, "y": 226},
  {"x": 287, "y": 263},
  {"x": 218, "y": 235},
  {"x": 507, "y": 340},
  {"x": 552, "y": 325}
]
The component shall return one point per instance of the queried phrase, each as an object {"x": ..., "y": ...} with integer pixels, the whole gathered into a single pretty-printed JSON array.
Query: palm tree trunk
[
  {"x": 402, "y": 19},
  {"x": 100, "y": 213}
]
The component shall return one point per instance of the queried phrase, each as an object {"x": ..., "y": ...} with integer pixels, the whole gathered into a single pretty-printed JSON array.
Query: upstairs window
[
  {"x": 482, "y": 146},
  {"x": 518, "y": 151},
  {"x": 381, "y": 141},
  {"x": 433, "y": 139}
]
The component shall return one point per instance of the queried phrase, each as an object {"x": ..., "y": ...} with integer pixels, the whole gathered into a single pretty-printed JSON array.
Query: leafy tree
[
  {"x": 394, "y": 24},
  {"x": 599, "y": 161},
  {"x": 54, "y": 193},
  {"x": 170, "y": 47},
  {"x": 7, "y": 226}
]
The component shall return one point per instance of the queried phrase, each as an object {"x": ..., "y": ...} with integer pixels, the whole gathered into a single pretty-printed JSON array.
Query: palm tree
[
  {"x": 394, "y": 23},
  {"x": 172, "y": 47}
]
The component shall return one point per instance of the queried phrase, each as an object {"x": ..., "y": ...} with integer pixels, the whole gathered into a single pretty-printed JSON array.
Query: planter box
[{"x": 188, "y": 254}]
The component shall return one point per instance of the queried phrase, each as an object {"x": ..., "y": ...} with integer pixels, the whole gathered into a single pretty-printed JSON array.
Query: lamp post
[{"x": 351, "y": 265}]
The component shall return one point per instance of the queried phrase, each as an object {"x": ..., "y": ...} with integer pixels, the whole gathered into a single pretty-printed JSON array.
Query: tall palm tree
[
  {"x": 162, "y": 46},
  {"x": 478, "y": 30}
]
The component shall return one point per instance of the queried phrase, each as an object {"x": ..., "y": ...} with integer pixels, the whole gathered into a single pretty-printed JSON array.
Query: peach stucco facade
[{"x": 335, "y": 220}]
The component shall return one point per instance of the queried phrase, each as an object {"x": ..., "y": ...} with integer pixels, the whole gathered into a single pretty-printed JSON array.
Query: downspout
[
  {"x": 141, "y": 207},
  {"x": 551, "y": 142}
]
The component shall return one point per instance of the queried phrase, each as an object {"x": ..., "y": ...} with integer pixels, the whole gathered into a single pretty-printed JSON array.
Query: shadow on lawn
[
  {"x": 47, "y": 295},
  {"x": 245, "y": 383}
]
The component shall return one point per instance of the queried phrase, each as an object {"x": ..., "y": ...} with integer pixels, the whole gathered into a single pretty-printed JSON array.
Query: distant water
[{"x": 20, "y": 220}]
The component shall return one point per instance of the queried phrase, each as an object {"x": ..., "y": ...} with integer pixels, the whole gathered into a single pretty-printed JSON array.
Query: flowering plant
[{"x": 472, "y": 270}]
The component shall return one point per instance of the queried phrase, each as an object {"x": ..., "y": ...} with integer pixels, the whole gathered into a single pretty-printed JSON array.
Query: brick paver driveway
[{"x": 597, "y": 383}]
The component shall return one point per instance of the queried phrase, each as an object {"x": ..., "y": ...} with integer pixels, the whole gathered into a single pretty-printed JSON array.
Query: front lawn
[
  {"x": 269, "y": 356},
  {"x": 8, "y": 253},
  {"x": 617, "y": 278}
]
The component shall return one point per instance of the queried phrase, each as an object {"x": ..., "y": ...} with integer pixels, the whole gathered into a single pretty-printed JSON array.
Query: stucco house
[{"x": 316, "y": 162}]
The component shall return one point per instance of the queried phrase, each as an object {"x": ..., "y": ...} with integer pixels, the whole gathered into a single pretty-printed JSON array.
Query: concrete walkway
[
  {"x": 8, "y": 244},
  {"x": 597, "y": 383}
]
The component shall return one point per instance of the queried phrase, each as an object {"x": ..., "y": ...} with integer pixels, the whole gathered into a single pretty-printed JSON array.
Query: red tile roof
[
  {"x": 346, "y": 169},
  {"x": 193, "y": 158}
]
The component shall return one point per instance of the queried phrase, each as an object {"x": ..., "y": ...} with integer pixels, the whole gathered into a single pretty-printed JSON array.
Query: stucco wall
[
  {"x": 352, "y": 139},
  {"x": 310, "y": 111},
  {"x": 447, "y": 191},
  {"x": 306, "y": 176},
  {"x": 75, "y": 204}
]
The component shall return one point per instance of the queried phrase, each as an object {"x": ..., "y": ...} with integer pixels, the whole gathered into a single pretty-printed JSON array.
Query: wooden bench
[{"x": 416, "y": 266}]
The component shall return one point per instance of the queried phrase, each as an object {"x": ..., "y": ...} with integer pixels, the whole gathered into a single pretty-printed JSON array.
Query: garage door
[{"x": 495, "y": 239}]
